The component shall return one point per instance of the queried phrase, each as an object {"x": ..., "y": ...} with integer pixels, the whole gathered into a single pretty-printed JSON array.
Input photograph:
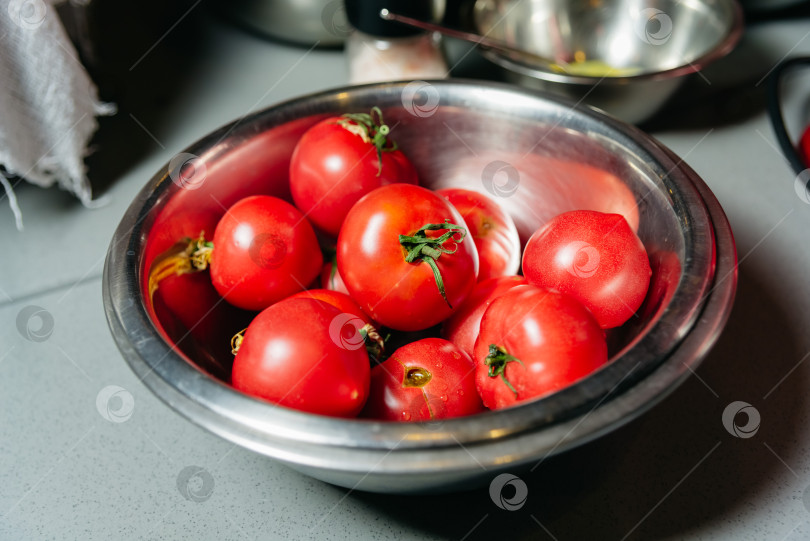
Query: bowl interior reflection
[{"x": 535, "y": 168}]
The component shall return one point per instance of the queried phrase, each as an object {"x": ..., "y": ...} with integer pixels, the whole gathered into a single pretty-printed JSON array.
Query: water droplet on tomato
[{"x": 406, "y": 416}]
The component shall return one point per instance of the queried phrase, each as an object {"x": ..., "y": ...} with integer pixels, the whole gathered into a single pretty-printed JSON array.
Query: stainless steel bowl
[
  {"x": 538, "y": 156},
  {"x": 643, "y": 49},
  {"x": 304, "y": 22}
]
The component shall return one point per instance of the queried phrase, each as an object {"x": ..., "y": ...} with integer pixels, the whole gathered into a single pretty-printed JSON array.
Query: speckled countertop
[{"x": 73, "y": 466}]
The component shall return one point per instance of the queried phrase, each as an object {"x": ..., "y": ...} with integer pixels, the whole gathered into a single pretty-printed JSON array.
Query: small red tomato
[
  {"x": 422, "y": 381},
  {"x": 405, "y": 257},
  {"x": 534, "y": 341},
  {"x": 462, "y": 327},
  {"x": 594, "y": 257},
  {"x": 331, "y": 279},
  {"x": 292, "y": 356},
  {"x": 493, "y": 231},
  {"x": 264, "y": 250},
  {"x": 341, "y": 159}
]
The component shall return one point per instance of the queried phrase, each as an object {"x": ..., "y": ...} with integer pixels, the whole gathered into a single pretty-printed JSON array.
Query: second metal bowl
[{"x": 625, "y": 56}]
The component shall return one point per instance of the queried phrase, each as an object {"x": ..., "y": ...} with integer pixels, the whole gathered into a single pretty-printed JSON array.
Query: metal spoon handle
[{"x": 478, "y": 39}]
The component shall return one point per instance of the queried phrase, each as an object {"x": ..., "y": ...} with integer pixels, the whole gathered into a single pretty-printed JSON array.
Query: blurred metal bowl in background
[
  {"x": 303, "y": 22},
  {"x": 537, "y": 156},
  {"x": 626, "y": 57}
]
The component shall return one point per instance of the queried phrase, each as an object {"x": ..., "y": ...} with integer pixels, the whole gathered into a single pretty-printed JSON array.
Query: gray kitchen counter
[{"x": 87, "y": 452}]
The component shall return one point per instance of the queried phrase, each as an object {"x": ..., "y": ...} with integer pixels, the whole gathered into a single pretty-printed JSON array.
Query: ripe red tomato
[
  {"x": 341, "y": 159},
  {"x": 291, "y": 356},
  {"x": 385, "y": 229},
  {"x": 534, "y": 341},
  {"x": 594, "y": 257},
  {"x": 493, "y": 231},
  {"x": 462, "y": 327},
  {"x": 422, "y": 381},
  {"x": 331, "y": 278},
  {"x": 264, "y": 250}
]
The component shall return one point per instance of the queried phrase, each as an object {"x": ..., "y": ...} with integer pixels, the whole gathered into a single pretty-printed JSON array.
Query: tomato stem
[
  {"x": 496, "y": 360},
  {"x": 416, "y": 376},
  {"x": 420, "y": 247},
  {"x": 187, "y": 256},
  {"x": 375, "y": 345},
  {"x": 236, "y": 341},
  {"x": 371, "y": 130}
]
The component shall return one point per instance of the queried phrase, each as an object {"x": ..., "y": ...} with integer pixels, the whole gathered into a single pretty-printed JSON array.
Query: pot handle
[{"x": 775, "y": 112}]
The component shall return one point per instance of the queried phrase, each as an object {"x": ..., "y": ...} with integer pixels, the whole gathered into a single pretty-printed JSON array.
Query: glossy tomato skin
[
  {"x": 341, "y": 301},
  {"x": 556, "y": 338},
  {"x": 425, "y": 380},
  {"x": 492, "y": 229},
  {"x": 332, "y": 168},
  {"x": 594, "y": 257},
  {"x": 462, "y": 327},
  {"x": 264, "y": 250},
  {"x": 371, "y": 260},
  {"x": 289, "y": 356}
]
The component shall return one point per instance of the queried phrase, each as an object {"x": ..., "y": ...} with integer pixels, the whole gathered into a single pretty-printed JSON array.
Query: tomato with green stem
[
  {"x": 426, "y": 380},
  {"x": 532, "y": 342},
  {"x": 405, "y": 257},
  {"x": 339, "y": 160}
]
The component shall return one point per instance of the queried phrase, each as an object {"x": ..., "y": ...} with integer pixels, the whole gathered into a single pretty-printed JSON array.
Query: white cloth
[{"x": 47, "y": 101}]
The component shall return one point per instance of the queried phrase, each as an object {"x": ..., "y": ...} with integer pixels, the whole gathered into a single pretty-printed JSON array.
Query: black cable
[{"x": 775, "y": 112}]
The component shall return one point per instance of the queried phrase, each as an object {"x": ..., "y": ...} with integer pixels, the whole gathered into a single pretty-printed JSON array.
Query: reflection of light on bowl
[
  {"x": 624, "y": 56},
  {"x": 554, "y": 158}
]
